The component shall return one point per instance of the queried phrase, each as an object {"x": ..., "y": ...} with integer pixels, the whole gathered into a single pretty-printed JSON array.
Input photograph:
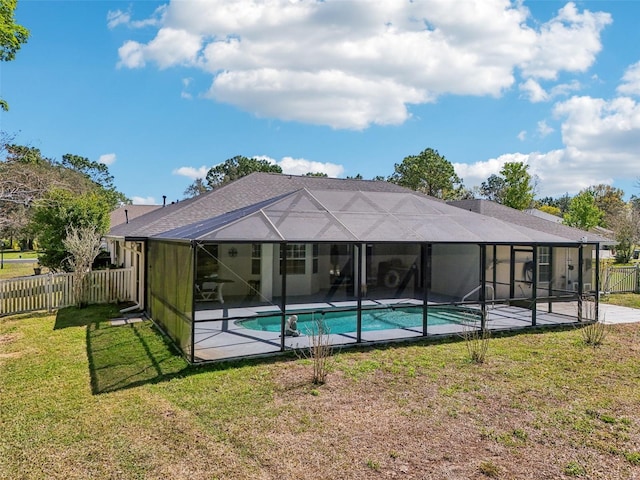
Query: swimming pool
[{"x": 382, "y": 319}]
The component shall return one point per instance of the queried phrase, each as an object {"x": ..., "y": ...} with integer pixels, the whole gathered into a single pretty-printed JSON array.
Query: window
[
  {"x": 256, "y": 255},
  {"x": 296, "y": 258},
  {"x": 544, "y": 266}
]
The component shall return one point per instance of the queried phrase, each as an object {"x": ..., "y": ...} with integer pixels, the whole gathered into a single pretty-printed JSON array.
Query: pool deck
[{"x": 218, "y": 336}]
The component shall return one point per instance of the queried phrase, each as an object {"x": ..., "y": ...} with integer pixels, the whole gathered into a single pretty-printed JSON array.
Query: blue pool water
[{"x": 344, "y": 322}]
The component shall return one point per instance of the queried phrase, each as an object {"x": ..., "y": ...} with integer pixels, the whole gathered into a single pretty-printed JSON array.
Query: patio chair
[{"x": 209, "y": 291}]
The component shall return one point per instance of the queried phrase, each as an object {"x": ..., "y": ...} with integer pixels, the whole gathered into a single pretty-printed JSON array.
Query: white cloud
[
  {"x": 569, "y": 42},
  {"x": 631, "y": 80},
  {"x": 544, "y": 129},
  {"x": 302, "y": 166},
  {"x": 117, "y": 17},
  {"x": 143, "y": 200},
  {"x": 107, "y": 158},
  {"x": 351, "y": 64},
  {"x": 186, "y": 82},
  {"x": 191, "y": 172},
  {"x": 601, "y": 143},
  {"x": 522, "y": 136},
  {"x": 131, "y": 55},
  {"x": 533, "y": 91}
]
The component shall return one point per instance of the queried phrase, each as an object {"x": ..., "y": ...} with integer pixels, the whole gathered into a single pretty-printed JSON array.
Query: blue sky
[{"x": 162, "y": 91}]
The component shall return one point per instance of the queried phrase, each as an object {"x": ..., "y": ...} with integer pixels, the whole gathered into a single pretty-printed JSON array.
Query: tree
[
  {"x": 626, "y": 226},
  {"x": 610, "y": 201},
  {"x": 518, "y": 190},
  {"x": 98, "y": 173},
  {"x": 59, "y": 211},
  {"x": 514, "y": 187},
  {"x": 561, "y": 203},
  {"x": 550, "y": 210},
  {"x": 238, "y": 167},
  {"x": 493, "y": 188},
  {"x": 429, "y": 173},
  {"x": 26, "y": 176},
  {"x": 83, "y": 245},
  {"x": 12, "y": 36},
  {"x": 198, "y": 187},
  {"x": 583, "y": 212},
  {"x": 316, "y": 174}
]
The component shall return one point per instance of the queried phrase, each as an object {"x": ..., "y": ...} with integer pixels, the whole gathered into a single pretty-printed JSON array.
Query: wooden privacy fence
[
  {"x": 55, "y": 290},
  {"x": 620, "y": 280}
]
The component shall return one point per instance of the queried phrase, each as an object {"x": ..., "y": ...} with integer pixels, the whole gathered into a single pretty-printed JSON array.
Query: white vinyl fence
[
  {"x": 55, "y": 290},
  {"x": 621, "y": 279}
]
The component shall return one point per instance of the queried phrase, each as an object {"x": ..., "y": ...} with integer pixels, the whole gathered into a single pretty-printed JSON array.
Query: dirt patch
[{"x": 7, "y": 338}]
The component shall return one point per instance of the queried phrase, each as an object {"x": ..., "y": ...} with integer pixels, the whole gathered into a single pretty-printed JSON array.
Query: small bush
[
  {"x": 373, "y": 465},
  {"x": 574, "y": 469},
  {"x": 632, "y": 457},
  {"x": 320, "y": 351},
  {"x": 477, "y": 342},
  {"x": 489, "y": 469},
  {"x": 594, "y": 333}
]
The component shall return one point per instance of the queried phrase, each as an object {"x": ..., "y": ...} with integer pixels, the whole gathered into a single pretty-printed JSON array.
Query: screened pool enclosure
[{"x": 367, "y": 266}]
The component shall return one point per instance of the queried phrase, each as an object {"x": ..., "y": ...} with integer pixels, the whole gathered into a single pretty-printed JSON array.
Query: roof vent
[{"x": 164, "y": 200}]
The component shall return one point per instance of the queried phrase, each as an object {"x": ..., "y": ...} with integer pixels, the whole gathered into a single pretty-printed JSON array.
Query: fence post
[
  {"x": 49, "y": 292},
  {"x": 637, "y": 286}
]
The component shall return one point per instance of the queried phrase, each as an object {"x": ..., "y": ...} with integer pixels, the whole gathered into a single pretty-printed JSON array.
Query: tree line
[{"x": 41, "y": 199}]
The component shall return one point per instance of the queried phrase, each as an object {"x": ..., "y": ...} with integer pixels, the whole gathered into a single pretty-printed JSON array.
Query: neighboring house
[
  {"x": 126, "y": 213},
  {"x": 223, "y": 273}
]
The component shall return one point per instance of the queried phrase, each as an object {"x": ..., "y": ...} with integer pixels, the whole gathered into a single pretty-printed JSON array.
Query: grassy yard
[
  {"x": 623, "y": 299},
  {"x": 13, "y": 270},
  {"x": 82, "y": 399}
]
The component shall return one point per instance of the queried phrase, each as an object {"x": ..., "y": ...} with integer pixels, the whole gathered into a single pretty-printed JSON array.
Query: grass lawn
[
  {"x": 623, "y": 299},
  {"x": 13, "y": 270},
  {"x": 82, "y": 399}
]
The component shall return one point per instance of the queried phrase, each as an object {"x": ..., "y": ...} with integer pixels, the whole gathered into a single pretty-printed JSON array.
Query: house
[{"x": 367, "y": 261}]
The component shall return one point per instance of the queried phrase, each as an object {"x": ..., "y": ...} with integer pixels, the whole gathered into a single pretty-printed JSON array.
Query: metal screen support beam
[
  {"x": 551, "y": 277},
  {"x": 495, "y": 272},
  {"x": 512, "y": 273},
  {"x": 194, "y": 279},
  {"x": 283, "y": 297},
  {"x": 534, "y": 287},
  {"x": 483, "y": 286},
  {"x": 580, "y": 280},
  {"x": 358, "y": 289},
  {"x": 597, "y": 283},
  {"x": 426, "y": 284}
]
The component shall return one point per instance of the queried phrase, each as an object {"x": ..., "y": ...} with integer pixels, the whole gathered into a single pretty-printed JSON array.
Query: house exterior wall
[{"x": 455, "y": 269}]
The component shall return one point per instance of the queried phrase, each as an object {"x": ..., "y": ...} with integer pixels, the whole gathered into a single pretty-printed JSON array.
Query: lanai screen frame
[{"x": 425, "y": 249}]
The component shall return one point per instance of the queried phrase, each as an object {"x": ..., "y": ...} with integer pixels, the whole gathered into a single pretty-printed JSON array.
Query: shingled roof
[
  {"x": 276, "y": 207},
  {"x": 517, "y": 217},
  {"x": 245, "y": 191},
  {"x": 358, "y": 216},
  {"x": 126, "y": 213}
]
